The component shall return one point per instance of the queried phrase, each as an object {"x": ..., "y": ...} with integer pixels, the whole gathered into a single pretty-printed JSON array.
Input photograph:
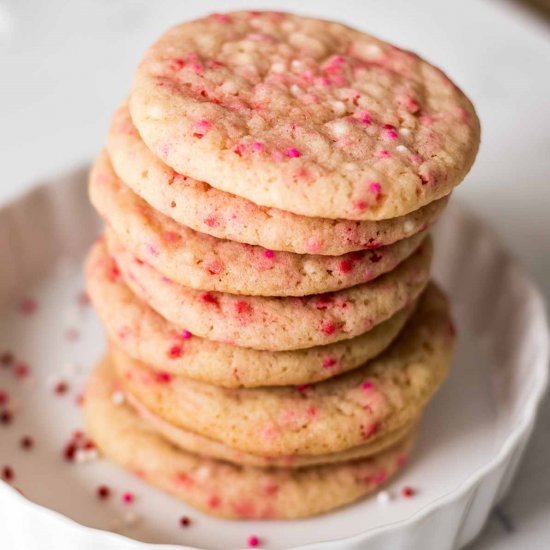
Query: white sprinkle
[
  {"x": 278, "y": 67},
  {"x": 229, "y": 87},
  {"x": 405, "y": 132},
  {"x": 339, "y": 128},
  {"x": 339, "y": 107},
  {"x": 372, "y": 50},
  {"x": 383, "y": 497},
  {"x": 309, "y": 267},
  {"x": 295, "y": 89},
  {"x": 72, "y": 369},
  {"x": 408, "y": 227},
  {"x": 203, "y": 473},
  {"x": 402, "y": 149},
  {"x": 131, "y": 518},
  {"x": 117, "y": 397},
  {"x": 85, "y": 455},
  {"x": 155, "y": 112},
  {"x": 296, "y": 65}
]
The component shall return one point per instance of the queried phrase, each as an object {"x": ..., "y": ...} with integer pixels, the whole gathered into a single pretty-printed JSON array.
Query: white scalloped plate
[{"x": 471, "y": 441}]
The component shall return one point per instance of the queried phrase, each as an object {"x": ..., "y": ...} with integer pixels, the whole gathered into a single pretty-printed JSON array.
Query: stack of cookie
[{"x": 264, "y": 273}]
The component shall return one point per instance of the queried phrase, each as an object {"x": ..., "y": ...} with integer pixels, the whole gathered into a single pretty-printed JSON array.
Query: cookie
[
  {"x": 304, "y": 115},
  {"x": 220, "y": 488},
  {"x": 144, "y": 335},
  {"x": 276, "y": 324},
  {"x": 198, "y": 444},
  {"x": 336, "y": 415},
  {"x": 205, "y": 209},
  {"x": 203, "y": 262}
]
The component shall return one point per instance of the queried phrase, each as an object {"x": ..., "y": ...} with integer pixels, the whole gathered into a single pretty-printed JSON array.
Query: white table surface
[{"x": 65, "y": 64}]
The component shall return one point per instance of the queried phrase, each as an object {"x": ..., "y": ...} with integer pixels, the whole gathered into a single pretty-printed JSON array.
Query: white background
[{"x": 65, "y": 64}]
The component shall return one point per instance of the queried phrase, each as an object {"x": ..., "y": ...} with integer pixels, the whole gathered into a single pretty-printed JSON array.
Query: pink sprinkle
[
  {"x": 214, "y": 501},
  {"x": 313, "y": 245},
  {"x": 128, "y": 498},
  {"x": 72, "y": 335},
  {"x": 22, "y": 370},
  {"x": 185, "y": 334},
  {"x": 391, "y": 134},
  {"x": 329, "y": 362},
  {"x": 27, "y": 306},
  {"x": 367, "y": 386},
  {"x": 402, "y": 460},
  {"x": 253, "y": 541},
  {"x": 201, "y": 127},
  {"x": 211, "y": 221},
  {"x": 258, "y": 147},
  {"x": 369, "y": 431},
  {"x": 328, "y": 327},
  {"x": 365, "y": 118},
  {"x": 221, "y": 17},
  {"x": 379, "y": 477},
  {"x": 375, "y": 187},
  {"x": 243, "y": 308},
  {"x": 361, "y": 204},
  {"x": 426, "y": 119},
  {"x": 269, "y": 254},
  {"x": 169, "y": 236},
  {"x": 383, "y": 154},
  {"x": 292, "y": 152},
  {"x": 175, "y": 352}
]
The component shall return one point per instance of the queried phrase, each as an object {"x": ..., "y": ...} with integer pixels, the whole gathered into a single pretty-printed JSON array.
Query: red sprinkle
[
  {"x": 7, "y": 359},
  {"x": 21, "y": 370},
  {"x": 173, "y": 204},
  {"x": 27, "y": 306},
  {"x": 103, "y": 492},
  {"x": 163, "y": 377},
  {"x": 328, "y": 327},
  {"x": 329, "y": 362},
  {"x": 185, "y": 521},
  {"x": 69, "y": 451},
  {"x": 128, "y": 497},
  {"x": 253, "y": 541},
  {"x": 61, "y": 388},
  {"x": 208, "y": 298},
  {"x": 4, "y": 397},
  {"x": 345, "y": 266},
  {"x": 6, "y": 417},
  {"x": 26, "y": 442},
  {"x": 408, "y": 492},
  {"x": 7, "y": 473}
]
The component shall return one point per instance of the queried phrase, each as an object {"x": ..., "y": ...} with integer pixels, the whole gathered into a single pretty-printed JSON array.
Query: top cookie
[{"x": 304, "y": 115}]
